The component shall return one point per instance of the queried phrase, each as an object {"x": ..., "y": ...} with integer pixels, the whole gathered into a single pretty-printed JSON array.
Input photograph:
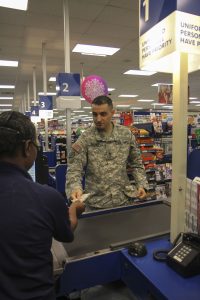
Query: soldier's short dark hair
[
  {"x": 103, "y": 100},
  {"x": 15, "y": 129}
]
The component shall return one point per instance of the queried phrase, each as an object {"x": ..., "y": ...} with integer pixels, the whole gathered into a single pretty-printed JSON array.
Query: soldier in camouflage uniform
[{"x": 105, "y": 151}]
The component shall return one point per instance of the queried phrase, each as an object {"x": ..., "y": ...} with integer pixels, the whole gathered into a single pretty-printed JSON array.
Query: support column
[{"x": 179, "y": 153}]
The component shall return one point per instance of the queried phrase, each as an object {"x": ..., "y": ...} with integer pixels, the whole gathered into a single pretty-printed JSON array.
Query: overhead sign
[
  {"x": 68, "y": 84},
  {"x": 68, "y": 90},
  {"x": 46, "y": 106},
  {"x": 34, "y": 111},
  {"x": 167, "y": 26}
]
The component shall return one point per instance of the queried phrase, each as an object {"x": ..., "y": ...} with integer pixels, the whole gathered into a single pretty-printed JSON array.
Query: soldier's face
[{"x": 102, "y": 116}]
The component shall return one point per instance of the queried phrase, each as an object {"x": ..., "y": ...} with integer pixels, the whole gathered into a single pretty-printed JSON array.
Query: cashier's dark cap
[{"x": 15, "y": 128}]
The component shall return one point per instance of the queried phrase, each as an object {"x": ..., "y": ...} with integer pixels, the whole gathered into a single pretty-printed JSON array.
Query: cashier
[
  {"x": 104, "y": 152},
  {"x": 30, "y": 216}
]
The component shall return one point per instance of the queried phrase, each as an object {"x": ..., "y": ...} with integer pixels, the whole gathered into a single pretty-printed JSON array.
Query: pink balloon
[{"x": 92, "y": 87}]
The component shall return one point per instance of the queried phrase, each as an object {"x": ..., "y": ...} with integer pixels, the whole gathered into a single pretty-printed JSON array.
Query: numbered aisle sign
[
  {"x": 68, "y": 90},
  {"x": 168, "y": 27},
  {"x": 46, "y": 106},
  {"x": 28, "y": 113},
  {"x": 35, "y": 113}
]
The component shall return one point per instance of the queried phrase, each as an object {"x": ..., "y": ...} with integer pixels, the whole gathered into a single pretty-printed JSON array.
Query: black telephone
[{"x": 184, "y": 258}]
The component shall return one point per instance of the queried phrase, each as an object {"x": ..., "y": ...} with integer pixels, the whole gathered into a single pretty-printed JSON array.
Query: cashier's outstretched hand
[
  {"x": 141, "y": 193},
  {"x": 75, "y": 210}
]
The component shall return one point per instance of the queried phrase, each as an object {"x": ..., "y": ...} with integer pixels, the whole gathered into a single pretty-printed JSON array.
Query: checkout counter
[{"x": 99, "y": 255}]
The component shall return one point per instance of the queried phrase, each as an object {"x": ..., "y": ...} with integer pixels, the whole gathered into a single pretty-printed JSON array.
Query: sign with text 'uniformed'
[{"x": 178, "y": 29}]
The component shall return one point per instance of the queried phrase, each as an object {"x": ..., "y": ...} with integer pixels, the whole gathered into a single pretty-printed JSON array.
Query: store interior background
[{"x": 112, "y": 23}]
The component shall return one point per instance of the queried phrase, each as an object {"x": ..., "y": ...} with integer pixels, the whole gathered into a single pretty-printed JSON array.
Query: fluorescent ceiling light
[
  {"x": 145, "y": 100},
  {"x": 158, "y": 104},
  {"x": 5, "y": 104},
  {"x": 8, "y": 63},
  {"x": 34, "y": 101},
  {"x": 47, "y": 94},
  {"x": 87, "y": 107},
  {"x": 193, "y": 98},
  {"x": 82, "y": 99},
  {"x": 136, "y": 107},
  {"x": 139, "y": 72},
  {"x": 168, "y": 106},
  {"x": 22, "y": 4},
  {"x": 93, "y": 54},
  {"x": 111, "y": 89},
  {"x": 197, "y": 105},
  {"x": 7, "y": 86},
  {"x": 157, "y": 84},
  {"x": 52, "y": 78},
  {"x": 6, "y": 98},
  {"x": 94, "y": 50},
  {"x": 5, "y": 109},
  {"x": 128, "y": 96},
  {"x": 123, "y": 105},
  {"x": 194, "y": 102},
  {"x": 78, "y": 111}
]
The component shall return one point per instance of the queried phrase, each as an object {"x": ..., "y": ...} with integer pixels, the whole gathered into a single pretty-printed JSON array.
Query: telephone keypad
[{"x": 182, "y": 253}]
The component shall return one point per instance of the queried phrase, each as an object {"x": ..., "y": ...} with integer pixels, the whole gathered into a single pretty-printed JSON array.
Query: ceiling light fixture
[
  {"x": 8, "y": 63},
  {"x": 158, "y": 104},
  {"x": 5, "y": 104},
  {"x": 47, "y": 94},
  {"x": 194, "y": 102},
  {"x": 128, "y": 96},
  {"x": 157, "y": 84},
  {"x": 52, "y": 78},
  {"x": 145, "y": 100},
  {"x": 6, "y": 98},
  {"x": 7, "y": 86},
  {"x": 111, "y": 89},
  {"x": 94, "y": 50},
  {"x": 21, "y": 5},
  {"x": 136, "y": 107},
  {"x": 139, "y": 72},
  {"x": 122, "y": 105}
]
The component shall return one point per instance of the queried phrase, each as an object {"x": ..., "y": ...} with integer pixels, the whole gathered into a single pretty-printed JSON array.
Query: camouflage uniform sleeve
[
  {"x": 136, "y": 165},
  {"x": 76, "y": 162}
]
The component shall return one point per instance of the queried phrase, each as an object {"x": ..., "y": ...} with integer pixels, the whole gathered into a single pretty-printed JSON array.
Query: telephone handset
[{"x": 184, "y": 258}]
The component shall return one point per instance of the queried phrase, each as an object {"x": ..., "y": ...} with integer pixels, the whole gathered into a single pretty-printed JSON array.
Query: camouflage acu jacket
[{"x": 105, "y": 161}]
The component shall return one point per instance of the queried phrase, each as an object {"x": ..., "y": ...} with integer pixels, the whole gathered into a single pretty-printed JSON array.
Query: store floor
[{"x": 111, "y": 291}]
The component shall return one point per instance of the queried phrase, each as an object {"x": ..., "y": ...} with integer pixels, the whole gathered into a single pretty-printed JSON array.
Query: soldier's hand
[
  {"x": 76, "y": 194},
  {"x": 141, "y": 193}
]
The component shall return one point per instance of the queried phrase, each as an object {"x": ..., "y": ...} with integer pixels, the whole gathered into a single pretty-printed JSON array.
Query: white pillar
[
  {"x": 34, "y": 86},
  {"x": 67, "y": 67},
  {"x": 179, "y": 153},
  {"x": 28, "y": 97},
  {"x": 44, "y": 72}
]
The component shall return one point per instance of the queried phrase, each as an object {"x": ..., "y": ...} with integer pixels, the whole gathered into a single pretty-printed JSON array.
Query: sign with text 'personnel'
[
  {"x": 68, "y": 90},
  {"x": 46, "y": 106},
  {"x": 168, "y": 26}
]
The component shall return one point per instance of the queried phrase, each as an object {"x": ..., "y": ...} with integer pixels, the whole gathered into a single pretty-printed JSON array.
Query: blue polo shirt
[{"x": 30, "y": 215}]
